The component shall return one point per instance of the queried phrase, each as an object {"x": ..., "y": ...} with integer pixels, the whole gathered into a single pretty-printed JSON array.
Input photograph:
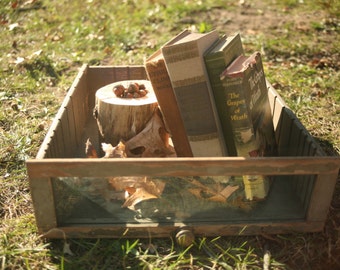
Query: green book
[
  {"x": 217, "y": 58},
  {"x": 246, "y": 101}
]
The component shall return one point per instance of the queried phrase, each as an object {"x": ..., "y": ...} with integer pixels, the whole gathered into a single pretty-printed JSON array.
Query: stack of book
[{"x": 214, "y": 100}]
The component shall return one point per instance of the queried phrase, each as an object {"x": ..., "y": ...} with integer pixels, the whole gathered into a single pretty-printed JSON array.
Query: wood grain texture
[{"x": 183, "y": 166}]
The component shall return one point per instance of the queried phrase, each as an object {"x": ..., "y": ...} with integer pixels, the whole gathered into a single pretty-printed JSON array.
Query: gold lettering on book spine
[
  {"x": 161, "y": 81},
  {"x": 204, "y": 137},
  {"x": 189, "y": 81},
  {"x": 181, "y": 53}
]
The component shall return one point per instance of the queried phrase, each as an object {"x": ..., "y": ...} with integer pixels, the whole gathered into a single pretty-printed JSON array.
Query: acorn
[
  {"x": 142, "y": 93},
  {"x": 133, "y": 87},
  {"x": 119, "y": 90}
]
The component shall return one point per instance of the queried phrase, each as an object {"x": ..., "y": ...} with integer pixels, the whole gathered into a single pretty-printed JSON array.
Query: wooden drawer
[{"x": 72, "y": 195}]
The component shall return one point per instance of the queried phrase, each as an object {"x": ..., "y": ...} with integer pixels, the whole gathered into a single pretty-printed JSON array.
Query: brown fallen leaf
[
  {"x": 152, "y": 141},
  {"x": 121, "y": 183},
  {"x": 138, "y": 196},
  {"x": 137, "y": 189},
  {"x": 216, "y": 192},
  {"x": 90, "y": 151},
  {"x": 224, "y": 194},
  {"x": 117, "y": 151}
]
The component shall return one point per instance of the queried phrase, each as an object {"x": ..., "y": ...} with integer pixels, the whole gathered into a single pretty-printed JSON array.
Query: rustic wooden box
[{"x": 304, "y": 177}]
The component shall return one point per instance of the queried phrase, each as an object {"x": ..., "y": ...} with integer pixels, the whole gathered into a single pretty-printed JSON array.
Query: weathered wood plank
[
  {"x": 321, "y": 196},
  {"x": 43, "y": 202},
  {"x": 183, "y": 166},
  {"x": 276, "y": 103},
  {"x": 166, "y": 230},
  {"x": 284, "y": 132},
  {"x": 49, "y": 141},
  {"x": 70, "y": 125}
]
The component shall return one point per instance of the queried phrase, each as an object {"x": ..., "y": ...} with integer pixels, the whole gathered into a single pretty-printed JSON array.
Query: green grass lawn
[{"x": 44, "y": 43}]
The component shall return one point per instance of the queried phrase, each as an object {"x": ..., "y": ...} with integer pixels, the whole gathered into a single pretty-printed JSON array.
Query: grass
[{"x": 43, "y": 43}]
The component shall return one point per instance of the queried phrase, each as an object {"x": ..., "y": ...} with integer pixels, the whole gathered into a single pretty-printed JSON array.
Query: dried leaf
[
  {"x": 114, "y": 152},
  {"x": 196, "y": 192},
  {"x": 130, "y": 190},
  {"x": 90, "y": 151},
  {"x": 138, "y": 196},
  {"x": 130, "y": 184},
  {"x": 224, "y": 194},
  {"x": 137, "y": 189},
  {"x": 122, "y": 183},
  {"x": 152, "y": 141},
  {"x": 217, "y": 192}
]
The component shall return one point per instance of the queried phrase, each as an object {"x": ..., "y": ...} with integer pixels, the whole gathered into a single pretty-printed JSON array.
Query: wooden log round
[{"x": 122, "y": 118}]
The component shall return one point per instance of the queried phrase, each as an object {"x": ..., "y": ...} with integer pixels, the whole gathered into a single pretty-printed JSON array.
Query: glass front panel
[{"x": 120, "y": 200}]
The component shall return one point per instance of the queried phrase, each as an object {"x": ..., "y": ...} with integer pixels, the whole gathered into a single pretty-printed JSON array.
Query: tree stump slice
[{"x": 123, "y": 118}]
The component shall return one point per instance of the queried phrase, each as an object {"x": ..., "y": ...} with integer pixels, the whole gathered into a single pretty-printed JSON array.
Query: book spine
[
  {"x": 160, "y": 81},
  {"x": 190, "y": 83},
  {"x": 215, "y": 63},
  {"x": 246, "y": 144},
  {"x": 260, "y": 108}
]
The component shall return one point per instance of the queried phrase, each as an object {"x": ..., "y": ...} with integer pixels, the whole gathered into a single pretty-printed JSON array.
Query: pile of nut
[{"x": 134, "y": 90}]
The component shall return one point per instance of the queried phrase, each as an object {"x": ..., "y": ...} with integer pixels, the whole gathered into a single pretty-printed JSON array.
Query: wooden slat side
[
  {"x": 276, "y": 103},
  {"x": 43, "y": 202},
  {"x": 183, "y": 166},
  {"x": 54, "y": 146},
  {"x": 98, "y": 76},
  {"x": 302, "y": 183},
  {"x": 59, "y": 138},
  {"x": 299, "y": 139},
  {"x": 299, "y": 184},
  {"x": 79, "y": 100},
  {"x": 295, "y": 137},
  {"x": 65, "y": 134},
  {"x": 48, "y": 145},
  {"x": 301, "y": 143},
  {"x": 122, "y": 73},
  {"x": 137, "y": 73},
  {"x": 47, "y": 153},
  {"x": 283, "y": 133},
  {"x": 289, "y": 131},
  {"x": 71, "y": 128},
  {"x": 307, "y": 182},
  {"x": 272, "y": 99},
  {"x": 305, "y": 185},
  {"x": 277, "y": 122}
]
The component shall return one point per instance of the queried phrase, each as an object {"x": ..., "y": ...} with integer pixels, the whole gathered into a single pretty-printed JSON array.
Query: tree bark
[{"x": 122, "y": 118}]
